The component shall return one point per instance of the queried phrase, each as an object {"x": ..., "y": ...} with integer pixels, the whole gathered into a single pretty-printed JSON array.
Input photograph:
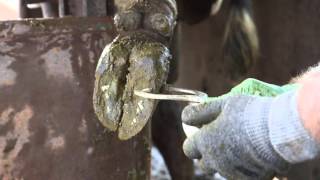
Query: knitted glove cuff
[
  {"x": 256, "y": 124},
  {"x": 288, "y": 136}
]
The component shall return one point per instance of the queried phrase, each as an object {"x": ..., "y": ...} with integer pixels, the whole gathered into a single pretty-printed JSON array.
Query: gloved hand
[
  {"x": 234, "y": 138},
  {"x": 255, "y": 87}
]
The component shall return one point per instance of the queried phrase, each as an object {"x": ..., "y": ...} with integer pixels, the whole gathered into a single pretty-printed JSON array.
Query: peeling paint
[
  {"x": 83, "y": 128},
  {"x": 6, "y": 48},
  {"x": 4, "y": 117},
  {"x": 90, "y": 150},
  {"x": 20, "y": 134},
  {"x": 7, "y": 75},
  {"x": 57, "y": 62},
  {"x": 80, "y": 61},
  {"x": 85, "y": 37},
  {"x": 20, "y": 29},
  {"x": 91, "y": 57},
  {"x": 56, "y": 143}
]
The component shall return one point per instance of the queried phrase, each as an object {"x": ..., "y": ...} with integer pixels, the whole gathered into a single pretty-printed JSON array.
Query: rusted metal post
[
  {"x": 49, "y": 9},
  {"x": 48, "y": 129},
  {"x": 63, "y": 8}
]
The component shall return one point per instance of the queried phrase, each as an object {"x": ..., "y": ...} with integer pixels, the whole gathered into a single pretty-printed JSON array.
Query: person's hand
[
  {"x": 256, "y": 87},
  {"x": 234, "y": 137}
]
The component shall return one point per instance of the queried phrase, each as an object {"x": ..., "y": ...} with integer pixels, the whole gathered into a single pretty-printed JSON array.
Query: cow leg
[{"x": 168, "y": 137}]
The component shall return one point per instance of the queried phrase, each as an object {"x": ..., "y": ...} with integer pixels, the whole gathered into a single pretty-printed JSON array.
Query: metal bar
[
  {"x": 49, "y": 9},
  {"x": 48, "y": 129},
  {"x": 63, "y": 8}
]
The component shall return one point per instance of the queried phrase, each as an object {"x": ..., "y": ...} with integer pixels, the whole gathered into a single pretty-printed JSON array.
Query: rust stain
[
  {"x": 19, "y": 29},
  {"x": 15, "y": 139}
]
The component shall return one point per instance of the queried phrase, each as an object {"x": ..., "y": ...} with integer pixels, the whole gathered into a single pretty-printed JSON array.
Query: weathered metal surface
[{"x": 47, "y": 126}]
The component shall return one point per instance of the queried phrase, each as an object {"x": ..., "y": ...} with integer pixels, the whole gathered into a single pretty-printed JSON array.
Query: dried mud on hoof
[{"x": 128, "y": 64}]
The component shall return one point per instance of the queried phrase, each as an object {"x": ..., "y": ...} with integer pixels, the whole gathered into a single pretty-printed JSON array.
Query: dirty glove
[{"x": 247, "y": 136}]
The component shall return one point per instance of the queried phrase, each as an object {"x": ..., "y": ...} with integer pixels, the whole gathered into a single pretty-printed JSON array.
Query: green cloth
[{"x": 255, "y": 87}]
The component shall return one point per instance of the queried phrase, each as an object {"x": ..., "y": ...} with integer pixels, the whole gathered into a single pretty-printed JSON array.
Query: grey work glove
[{"x": 234, "y": 138}]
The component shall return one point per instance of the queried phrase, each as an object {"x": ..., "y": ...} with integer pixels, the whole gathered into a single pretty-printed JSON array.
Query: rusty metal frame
[{"x": 47, "y": 126}]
